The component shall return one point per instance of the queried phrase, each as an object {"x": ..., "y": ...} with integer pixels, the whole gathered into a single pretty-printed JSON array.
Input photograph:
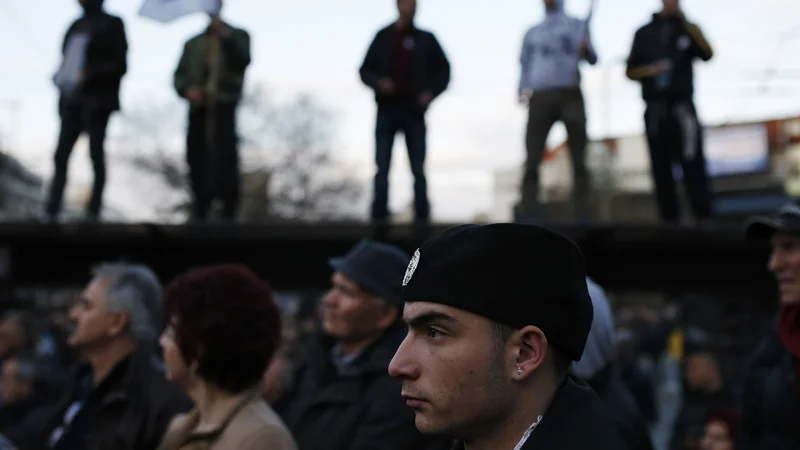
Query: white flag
[{"x": 169, "y": 10}]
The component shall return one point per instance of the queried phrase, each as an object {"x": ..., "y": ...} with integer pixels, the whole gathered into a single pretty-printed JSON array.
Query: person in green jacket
[{"x": 210, "y": 76}]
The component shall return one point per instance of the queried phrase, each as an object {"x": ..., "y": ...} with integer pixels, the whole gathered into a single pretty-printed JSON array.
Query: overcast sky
[{"x": 316, "y": 46}]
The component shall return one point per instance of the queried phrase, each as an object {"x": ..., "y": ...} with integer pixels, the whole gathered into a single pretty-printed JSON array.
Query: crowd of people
[
  {"x": 488, "y": 336},
  {"x": 408, "y": 70}
]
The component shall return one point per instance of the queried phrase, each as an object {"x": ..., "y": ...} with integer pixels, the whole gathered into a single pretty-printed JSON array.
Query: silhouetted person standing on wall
[
  {"x": 550, "y": 85},
  {"x": 210, "y": 75},
  {"x": 408, "y": 69},
  {"x": 661, "y": 60},
  {"x": 95, "y": 60}
]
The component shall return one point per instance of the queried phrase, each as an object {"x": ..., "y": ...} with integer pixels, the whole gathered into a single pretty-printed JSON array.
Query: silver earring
[{"x": 519, "y": 370}]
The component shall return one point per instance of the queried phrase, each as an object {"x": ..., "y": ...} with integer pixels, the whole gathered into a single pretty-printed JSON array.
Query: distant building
[{"x": 748, "y": 162}]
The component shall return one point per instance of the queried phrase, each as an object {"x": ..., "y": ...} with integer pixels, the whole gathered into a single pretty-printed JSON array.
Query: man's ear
[
  {"x": 118, "y": 323},
  {"x": 531, "y": 351}
]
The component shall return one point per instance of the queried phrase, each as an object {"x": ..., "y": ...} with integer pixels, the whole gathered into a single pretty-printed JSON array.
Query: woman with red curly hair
[{"x": 223, "y": 330}]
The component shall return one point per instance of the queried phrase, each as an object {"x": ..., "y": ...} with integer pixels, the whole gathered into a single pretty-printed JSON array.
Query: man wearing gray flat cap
[{"x": 344, "y": 398}]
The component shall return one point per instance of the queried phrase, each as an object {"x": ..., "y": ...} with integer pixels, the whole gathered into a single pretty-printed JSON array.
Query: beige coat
[{"x": 250, "y": 425}]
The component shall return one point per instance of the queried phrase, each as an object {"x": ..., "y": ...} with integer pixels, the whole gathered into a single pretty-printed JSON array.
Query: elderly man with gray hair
[{"x": 119, "y": 397}]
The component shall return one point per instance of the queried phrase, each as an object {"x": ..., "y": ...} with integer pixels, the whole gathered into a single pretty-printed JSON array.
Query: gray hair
[{"x": 135, "y": 290}]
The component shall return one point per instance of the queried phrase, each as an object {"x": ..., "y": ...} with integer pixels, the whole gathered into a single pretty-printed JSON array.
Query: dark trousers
[
  {"x": 545, "y": 109},
  {"x": 213, "y": 169},
  {"x": 674, "y": 134},
  {"x": 411, "y": 122},
  {"x": 74, "y": 121}
]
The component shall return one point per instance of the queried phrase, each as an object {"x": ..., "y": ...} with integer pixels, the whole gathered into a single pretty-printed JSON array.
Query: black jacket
[
  {"x": 106, "y": 58},
  {"x": 131, "y": 410},
  {"x": 576, "y": 420},
  {"x": 361, "y": 409},
  {"x": 770, "y": 401},
  {"x": 676, "y": 40},
  {"x": 622, "y": 407},
  {"x": 430, "y": 69}
]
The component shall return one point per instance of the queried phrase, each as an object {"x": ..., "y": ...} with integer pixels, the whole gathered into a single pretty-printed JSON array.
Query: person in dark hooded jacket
[
  {"x": 95, "y": 60},
  {"x": 598, "y": 368},
  {"x": 771, "y": 396}
]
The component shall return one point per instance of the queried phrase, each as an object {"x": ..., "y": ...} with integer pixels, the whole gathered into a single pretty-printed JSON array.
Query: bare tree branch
[{"x": 289, "y": 172}]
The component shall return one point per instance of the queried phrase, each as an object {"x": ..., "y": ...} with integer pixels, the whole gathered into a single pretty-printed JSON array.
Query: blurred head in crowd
[
  {"x": 553, "y": 5},
  {"x": 721, "y": 431},
  {"x": 18, "y": 333},
  {"x": 223, "y": 330},
  {"x": 365, "y": 298},
  {"x": 91, "y": 5},
  {"x": 18, "y": 380},
  {"x": 672, "y": 6},
  {"x": 702, "y": 372},
  {"x": 625, "y": 348},
  {"x": 121, "y": 304},
  {"x": 407, "y": 10},
  {"x": 782, "y": 230},
  {"x": 496, "y": 315}
]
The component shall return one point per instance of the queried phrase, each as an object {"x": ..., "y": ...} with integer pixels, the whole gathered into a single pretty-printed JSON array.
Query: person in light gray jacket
[{"x": 550, "y": 86}]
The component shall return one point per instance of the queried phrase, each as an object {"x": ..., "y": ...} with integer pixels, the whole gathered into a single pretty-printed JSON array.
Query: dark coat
[
  {"x": 770, "y": 401},
  {"x": 624, "y": 411},
  {"x": 360, "y": 409},
  {"x": 576, "y": 420},
  {"x": 106, "y": 60},
  {"x": 430, "y": 69},
  {"x": 130, "y": 410},
  {"x": 673, "y": 39}
]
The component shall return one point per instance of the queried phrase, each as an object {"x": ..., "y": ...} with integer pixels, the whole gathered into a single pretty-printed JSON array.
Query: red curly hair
[{"x": 225, "y": 318}]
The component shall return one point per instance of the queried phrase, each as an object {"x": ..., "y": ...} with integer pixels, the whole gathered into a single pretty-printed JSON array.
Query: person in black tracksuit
[
  {"x": 661, "y": 60},
  {"x": 407, "y": 69},
  {"x": 98, "y": 39}
]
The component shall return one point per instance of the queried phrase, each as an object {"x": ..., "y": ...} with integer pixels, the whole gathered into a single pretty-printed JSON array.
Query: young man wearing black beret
[{"x": 496, "y": 315}]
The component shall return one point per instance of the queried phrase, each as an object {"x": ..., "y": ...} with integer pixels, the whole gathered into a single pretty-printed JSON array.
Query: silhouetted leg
[
  {"x": 415, "y": 132},
  {"x": 197, "y": 160},
  {"x": 97, "y": 123},
  {"x": 660, "y": 143},
  {"x": 385, "y": 131},
  {"x": 573, "y": 114},
  {"x": 542, "y": 114},
  {"x": 71, "y": 128},
  {"x": 228, "y": 160},
  {"x": 693, "y": 160}
]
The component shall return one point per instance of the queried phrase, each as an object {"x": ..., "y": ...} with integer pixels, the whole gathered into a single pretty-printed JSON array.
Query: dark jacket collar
[
  {"x": 124, "y": 376},
  {"x": 374, "y": 360},
  {"x": 602, "y": 378},
  {"x": 575, "y": 420}
]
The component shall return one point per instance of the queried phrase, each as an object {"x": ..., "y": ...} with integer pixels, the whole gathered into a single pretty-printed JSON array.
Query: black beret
[{"x": 513, "y": 274}]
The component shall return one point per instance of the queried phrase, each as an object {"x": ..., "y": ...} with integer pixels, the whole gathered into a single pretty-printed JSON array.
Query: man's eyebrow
[{"x": 426, "y": 318}]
